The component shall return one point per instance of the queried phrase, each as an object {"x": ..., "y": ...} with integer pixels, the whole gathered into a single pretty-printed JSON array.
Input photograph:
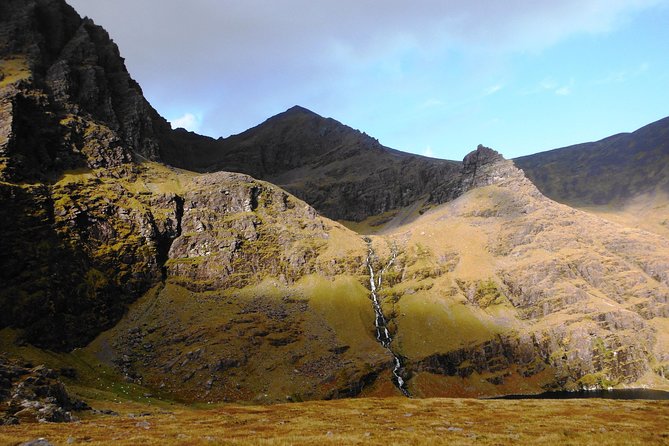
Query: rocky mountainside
[
  {"x": 343, "y": 173},
  {"x": 515, "y": 291},
  {"x": 499, "y": 291},
  {"x": 217, "y": 286},
  {"x": 67, "y": 99},
  {"x": 611, "y": 171},
  {"x": 69, "y": 102}
]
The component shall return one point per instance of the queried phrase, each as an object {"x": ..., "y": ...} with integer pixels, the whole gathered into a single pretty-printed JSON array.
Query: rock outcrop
[
  {"x": 66, "y": 98},
  {"x": 34, "y": 394}
]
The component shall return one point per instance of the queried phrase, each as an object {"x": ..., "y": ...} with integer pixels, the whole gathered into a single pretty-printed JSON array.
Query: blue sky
[{"x": 434, "y": 77}]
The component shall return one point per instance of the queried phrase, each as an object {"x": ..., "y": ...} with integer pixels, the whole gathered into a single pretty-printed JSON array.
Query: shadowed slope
[
  {"x": 343, "y": 173},
  {"x": 610, "y": 171}
]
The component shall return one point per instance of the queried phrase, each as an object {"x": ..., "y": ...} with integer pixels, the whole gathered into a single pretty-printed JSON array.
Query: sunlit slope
[
  {"x": 649, "y": 212},
  {"x": 261, "y": 300},
  {"x": 504, "y": 290}
]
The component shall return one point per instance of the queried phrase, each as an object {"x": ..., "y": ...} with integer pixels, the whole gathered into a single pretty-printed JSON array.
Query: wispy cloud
[
  {"x": 188, "y": 121},
  {"x": 624, "y": 75},
  {"x": 493, "y": 89},
  {"x": 428, "y": 152},
  {"x": 550, "y": 85},
  {"x": 563, "y": 91},
  {"x": 431, "y": 103}
]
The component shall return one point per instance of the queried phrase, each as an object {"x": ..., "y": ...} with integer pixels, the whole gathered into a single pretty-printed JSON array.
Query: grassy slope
[
  {"x": 448, "y": 291},
  {"x": 376, "y": 422},
  {"x": 436, "y": 313},
  {"x": 279, "y": 340},
  {"x": 649, "y": 212}
]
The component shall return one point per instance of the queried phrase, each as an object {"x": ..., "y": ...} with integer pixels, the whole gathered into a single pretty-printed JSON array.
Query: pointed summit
[
  {"x": 297, "y": 109},
  {"x": 484, "y": 167}
]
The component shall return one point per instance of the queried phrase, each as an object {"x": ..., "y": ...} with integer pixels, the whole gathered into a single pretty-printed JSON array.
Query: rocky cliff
[
  {"x": 67, "y": 100},
  {"x": 343, "y": 173}
]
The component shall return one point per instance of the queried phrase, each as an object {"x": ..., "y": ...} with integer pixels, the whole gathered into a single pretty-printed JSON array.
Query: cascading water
[{"x": 380, "y": 322}]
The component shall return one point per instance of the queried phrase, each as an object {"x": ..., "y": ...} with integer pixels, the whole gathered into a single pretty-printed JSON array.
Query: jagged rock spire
[{"x": 484, "y": 167}]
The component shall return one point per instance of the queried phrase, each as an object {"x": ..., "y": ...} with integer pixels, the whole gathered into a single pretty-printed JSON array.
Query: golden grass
[
  {"x": 13, "y": 69},
  {"x": 649, "y": 212},
  {"x": 375, "y": 421}
]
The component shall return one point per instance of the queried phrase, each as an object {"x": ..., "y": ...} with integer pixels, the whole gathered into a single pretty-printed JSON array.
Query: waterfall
[{"x": 380, "y": 321}]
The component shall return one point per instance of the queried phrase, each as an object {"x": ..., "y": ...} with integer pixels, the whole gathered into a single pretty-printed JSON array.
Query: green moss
[
  {"x": 487, "y": 293},
  {"x": 596, "y": 381},
  {"x": 13, "y": 69}
]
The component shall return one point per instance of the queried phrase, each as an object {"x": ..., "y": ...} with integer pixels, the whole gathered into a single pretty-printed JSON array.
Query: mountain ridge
[
  {"x": 611, "y": 170},
  {"x": 218, "y": 286},
  {"x": 344, "y": 173}
]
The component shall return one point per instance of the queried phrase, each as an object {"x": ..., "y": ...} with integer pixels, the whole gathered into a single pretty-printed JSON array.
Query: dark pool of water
[{"x": 616, "y": 394}]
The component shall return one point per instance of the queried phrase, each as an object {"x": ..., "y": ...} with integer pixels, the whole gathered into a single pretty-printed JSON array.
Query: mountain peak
[
  {"x": 481, "y": 156},
  {"x": 484, "y": 167},
  {"x": 298, "y": 109}
]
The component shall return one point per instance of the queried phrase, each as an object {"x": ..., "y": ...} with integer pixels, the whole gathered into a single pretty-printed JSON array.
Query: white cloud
[
  {"x": 188, "y": 121},
  {"x": 243, "y": 60},
  {"x": 563, "y": 91},
  {"x": 428, "y": 152},
  {"x": 492, "y": 89},
  {"x": 624, "y": 75},
  {"x": 431, "y": 103},
  {"x": 548, "y": 83}
]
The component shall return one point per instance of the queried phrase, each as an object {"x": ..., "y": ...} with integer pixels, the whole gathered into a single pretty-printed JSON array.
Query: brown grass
[{"x": 372, "y": 421}]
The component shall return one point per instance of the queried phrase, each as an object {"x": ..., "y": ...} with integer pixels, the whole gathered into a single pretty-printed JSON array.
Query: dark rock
[
  {"x": 37, "y": 442},
  {"x": 35, "y": 394}
]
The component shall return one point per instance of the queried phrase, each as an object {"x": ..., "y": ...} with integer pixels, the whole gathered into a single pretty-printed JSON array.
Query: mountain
[
  {"x": 343, "y": 173},
  {"x": 147, "y": 278},
  {"x": 67, "y": 99},
  {"x": 612, "y": 170},
  {"x": 66, "y": 86},
  {"x": 623, "y": 178},
  {"x": 499, "y": 291},
  {"x": 514, "y": 291}
]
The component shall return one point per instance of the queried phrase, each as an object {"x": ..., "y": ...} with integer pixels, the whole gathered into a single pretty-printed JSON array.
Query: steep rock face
[
  {"x": 255, "y": 239},
  {"x": 485, "y": 166},
  {"x": 78, "y": 245},
  {"x": 77, "y": 252},
  {"x": 66, "y": 97},
  {"x": 343, "y": 173}
]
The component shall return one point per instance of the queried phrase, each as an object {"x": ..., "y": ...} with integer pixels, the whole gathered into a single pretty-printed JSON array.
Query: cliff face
[
  {"x": 67, "y": 100},
  {"x": 343, "y": 173}
]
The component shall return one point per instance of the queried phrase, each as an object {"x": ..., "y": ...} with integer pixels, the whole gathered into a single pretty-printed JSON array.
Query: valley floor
[{"x": 372, "y": 421}]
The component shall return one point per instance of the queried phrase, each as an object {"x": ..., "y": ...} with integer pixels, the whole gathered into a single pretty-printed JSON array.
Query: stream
[{"x": 380, "y": 322}]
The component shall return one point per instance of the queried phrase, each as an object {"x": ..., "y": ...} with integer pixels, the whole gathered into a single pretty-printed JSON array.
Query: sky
[{"x": 432, "y": 77}]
